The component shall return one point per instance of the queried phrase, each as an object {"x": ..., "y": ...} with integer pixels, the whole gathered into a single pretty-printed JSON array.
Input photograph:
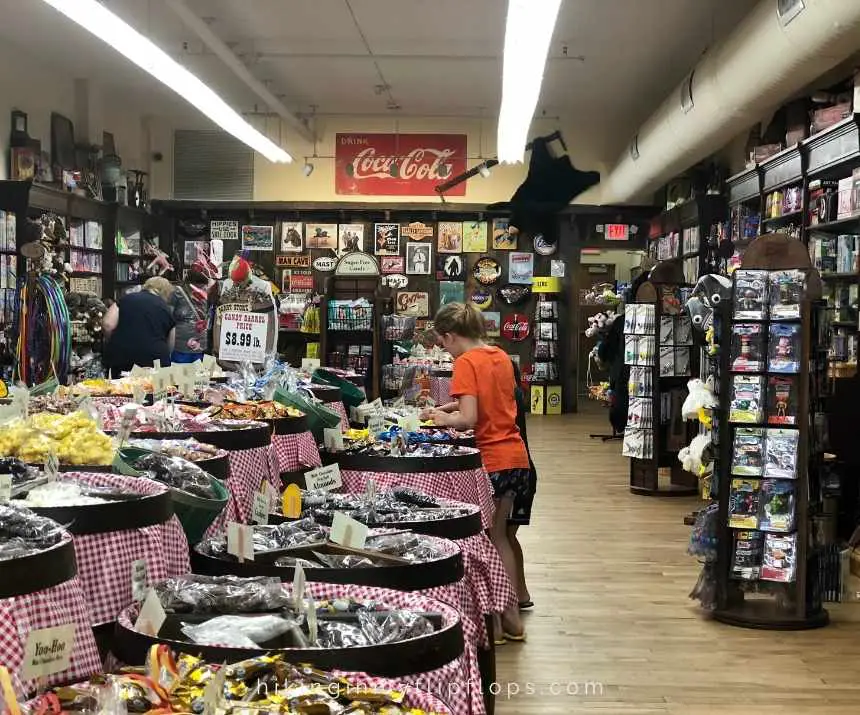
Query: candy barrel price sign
[{"x": 243, "y": 336}]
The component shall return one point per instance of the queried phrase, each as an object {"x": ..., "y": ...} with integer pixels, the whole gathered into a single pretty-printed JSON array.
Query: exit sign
[{"x": 616, "y": 232}]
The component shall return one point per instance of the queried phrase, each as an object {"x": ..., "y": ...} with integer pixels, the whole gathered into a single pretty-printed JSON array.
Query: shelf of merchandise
[{"x": 773, "y": 604}]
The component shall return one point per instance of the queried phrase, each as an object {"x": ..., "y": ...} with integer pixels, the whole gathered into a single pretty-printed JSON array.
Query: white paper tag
[
  {"x": 333, "y": 439},
  {"x": 209, "y": 364},
  {"x": 375, "y": 426},
  {"x": 347, "y": 531},
  {"x": 159, "y": 385},
  {"x": 139, "y": 585},
  {"x": 240, "y": 541},
  {"x": 5, "y": 487},
  {"x": 370, "y": 491},
  {"x": 298, "y": 587},
  {"x": 138, "y": 371},
  {"x": 377, "y": 406},
  {"x": 260, "y": 507},
  {"x": 156, "y": 364},
  {"x": 52, "y": 467},
  {"x": 410, "y": 422},
  {"x": 48, "y": 651},
  {"x": 151, "y": 616},
  {"x": 310, "y": 364},
  {"x": 138, "y": 394},
  {"x": 186, "y": 387},
  {"x": 323, "y": 478},
  {"x": 311, "y": 615}
]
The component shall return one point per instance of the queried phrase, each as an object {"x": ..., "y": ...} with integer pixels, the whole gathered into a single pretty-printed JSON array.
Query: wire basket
[
  {"x": 344, "y": 315},
  {"x": 398, "y": 327}
]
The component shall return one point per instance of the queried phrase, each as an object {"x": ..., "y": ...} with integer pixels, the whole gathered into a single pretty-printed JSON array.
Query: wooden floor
[{"x": 610, "y": 577}]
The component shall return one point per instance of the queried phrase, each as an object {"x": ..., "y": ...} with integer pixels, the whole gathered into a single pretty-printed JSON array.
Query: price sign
[
  {"x": 410, "y": 422},
  {"x": 240, "y": 541},
  {"x": 160, "y": 383},
  {"x": 310, "y": 364},
  {"x": 5, "y": 487},
  {"x": 616, "y": 232},
  {"x": 48, "y": 651},
  {"x": 243, "y": 336},
  {"x": 52, "y": 467},
  {"x": 151, "y": 616},
  {"x": 138, "y": 580},
  {"x": 291, "y": 502},
  {"x": 323, "y": 478},
  {"x": 375, "y": 426},
  {"x": 260, "y": 508},
  {"x": 209, "y": 363},
  {"x": 348, "y": 532},
  {"x": 333, "y": 439},
  {"x": 298, "y": 587}
]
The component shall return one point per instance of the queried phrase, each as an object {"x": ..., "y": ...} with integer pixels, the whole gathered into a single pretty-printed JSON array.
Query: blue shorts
[{"x": 185, "y": 358}]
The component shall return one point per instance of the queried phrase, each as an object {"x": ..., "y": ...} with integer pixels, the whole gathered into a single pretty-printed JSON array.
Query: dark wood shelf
[
  {"x": 837, "y": 226},
  {"x": 86, "y": 249},
  {"x": 785, "y": 218},
  {"x": 86, "y": 274},
  {"x": 127, "y": 257},
  {"x": 840, "y": 276},
  {"x": 850, "y": 324}
]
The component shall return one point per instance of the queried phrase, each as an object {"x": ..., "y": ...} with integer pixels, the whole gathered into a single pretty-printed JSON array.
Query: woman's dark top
[{"x": 141, "y": 334}]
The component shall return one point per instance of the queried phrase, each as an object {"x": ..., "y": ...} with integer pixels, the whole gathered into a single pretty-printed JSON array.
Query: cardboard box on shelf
[
  {"x": 845, "y": 206},
  {"x": 828, "y": 116}
]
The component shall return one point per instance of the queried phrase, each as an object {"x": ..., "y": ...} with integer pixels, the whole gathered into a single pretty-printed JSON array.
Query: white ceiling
[{"x": 439, "y": 57}]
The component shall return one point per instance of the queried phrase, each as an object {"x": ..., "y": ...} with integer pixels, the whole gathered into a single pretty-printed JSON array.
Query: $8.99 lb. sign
[{"x": 243, "y": 336}]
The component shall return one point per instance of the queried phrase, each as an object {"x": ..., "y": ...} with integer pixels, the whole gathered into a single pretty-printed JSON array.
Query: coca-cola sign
[
  {"x": 398, "y": 164},
  {"x": 515, "y": 327}
]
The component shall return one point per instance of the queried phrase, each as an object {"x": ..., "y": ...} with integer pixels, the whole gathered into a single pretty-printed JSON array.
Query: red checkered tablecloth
[
  {"x": 440, "y": 390},
  {"x": 295, "y": 452},
  {"x": 471, "y": 486},
  {"x": 55, "y": 606},
  {"x": 105, "y": 560},
  {"x": 249, "y": 470},
  {"x": 341, "y": 410}
]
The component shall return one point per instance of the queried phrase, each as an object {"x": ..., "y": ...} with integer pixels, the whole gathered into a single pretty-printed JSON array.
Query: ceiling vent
[{"x": 211, "y": 165}]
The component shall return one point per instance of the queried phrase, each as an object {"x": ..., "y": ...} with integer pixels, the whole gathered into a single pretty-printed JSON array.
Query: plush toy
[
  {"x": 599, "y": 323},
  {"x": 708, "y": 293},
  {"x": 700, "y": 402},
  {"x": 697, "y": 458},
  {"x": 240, "y": 271}
]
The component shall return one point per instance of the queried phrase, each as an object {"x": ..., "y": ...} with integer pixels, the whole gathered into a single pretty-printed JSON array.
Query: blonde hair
[
  {"x": 160, "y": 287},
  {"x": 462, "y": 319}
]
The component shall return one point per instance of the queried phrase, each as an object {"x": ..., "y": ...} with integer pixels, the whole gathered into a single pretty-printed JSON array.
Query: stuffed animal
[
  {"x": 700, "y": 402},
  {"x": 599, "y": 323},
  {"x": 697, "y": 458}
]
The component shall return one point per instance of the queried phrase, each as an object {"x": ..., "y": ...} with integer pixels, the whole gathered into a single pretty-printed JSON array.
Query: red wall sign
[{"x": 398, "y": 164}]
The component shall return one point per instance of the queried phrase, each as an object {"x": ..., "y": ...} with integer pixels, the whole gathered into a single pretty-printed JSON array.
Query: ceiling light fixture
[
  {"x": 97, "y": 19},
  {"x": 308, "y": 168},
  {"x": 484, "y": 170},
  {"x": 528, "y": 32}
]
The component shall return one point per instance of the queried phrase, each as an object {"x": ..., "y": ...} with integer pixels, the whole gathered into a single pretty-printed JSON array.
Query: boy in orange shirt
[{"x": 483, "y": 387}]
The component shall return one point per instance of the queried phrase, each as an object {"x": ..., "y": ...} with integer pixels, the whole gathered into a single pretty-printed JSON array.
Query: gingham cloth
[
  {"x": 451, "y": 678},
  {"x": 295, "y": 451},
  {"x": 249, "y": 470},
  {"x": 55, "y": 606},
  {"x": 341, "y": 410},
  {"x": 440, "y": 390},
  {"x": 105, "y": 560},
  {"x": 471, "y": 486}
]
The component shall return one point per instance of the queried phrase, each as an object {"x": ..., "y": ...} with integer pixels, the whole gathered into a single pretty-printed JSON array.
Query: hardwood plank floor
[{"x": 610, "y": 577}]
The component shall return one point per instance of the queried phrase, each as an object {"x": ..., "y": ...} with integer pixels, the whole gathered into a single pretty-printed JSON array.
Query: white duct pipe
[
  {"x": 736, "y": 83},
  {"x": 228, "y": 57}
]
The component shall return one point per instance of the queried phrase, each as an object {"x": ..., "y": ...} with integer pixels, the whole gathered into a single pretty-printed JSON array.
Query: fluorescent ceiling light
[
  {"x": 93, "y": 16},
  {"x": 529, "y": 29}
]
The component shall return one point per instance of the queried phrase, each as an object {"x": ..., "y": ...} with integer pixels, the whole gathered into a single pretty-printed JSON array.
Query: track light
[
  {"x": 484, "y": 170},
  {"x": 308, "y": 168},
  {"x": 110, "y": 28}
]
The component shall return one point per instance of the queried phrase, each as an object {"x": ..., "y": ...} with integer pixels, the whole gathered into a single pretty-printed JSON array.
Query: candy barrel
[
  {"x": 40, "y": 590},
  {"x": 295, "y": 449},
  {"x": 433, "y": 658},
  {"x": 332, "y": 397},
  {"x": 109, "y": 538},
  {"x": 440, "y": 577}
]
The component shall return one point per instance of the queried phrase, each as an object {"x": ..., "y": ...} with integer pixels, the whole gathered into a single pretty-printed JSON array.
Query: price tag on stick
[
  {"x": 260, "y": 508},
  {"x": 5, "y": 487},
  {"x": 151, "y": 616},
  {"x": 139, "y": 585},
  {"x": 298, "y": 587},
  {"x": 348, "y": 532},
  {"x": 240, "y": 541},
  {"x": 333, "y": 439},
  {"x": 375, "y": 426}
]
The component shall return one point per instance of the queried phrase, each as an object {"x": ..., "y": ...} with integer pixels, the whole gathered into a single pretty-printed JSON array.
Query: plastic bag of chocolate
[
  {"x": 239, "y": 631},
  {"x": 177, "y": 473},
  {"x": 413, "y": 496},
  {"x": 23, "y": 531},
  {"x": 294, "y": 562},
  {"x": 337, "y": 634},
  {"x": 393, "y": 626},
  {"x": 344, "y": 561},
  {"x": 413, "y": 547},
  {"x": 20, "y": 471},
  {"x": 221, "y": 594}
]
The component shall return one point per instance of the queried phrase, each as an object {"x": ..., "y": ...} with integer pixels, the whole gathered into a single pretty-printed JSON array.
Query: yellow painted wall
[{"x": 280, "y": 182}]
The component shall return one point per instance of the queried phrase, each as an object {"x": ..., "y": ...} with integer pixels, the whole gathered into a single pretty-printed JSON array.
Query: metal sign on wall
[{"x": 398, "y": 164}]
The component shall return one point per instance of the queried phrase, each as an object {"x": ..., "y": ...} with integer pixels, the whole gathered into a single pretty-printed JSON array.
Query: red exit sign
[{"x": 616, "y": 232}]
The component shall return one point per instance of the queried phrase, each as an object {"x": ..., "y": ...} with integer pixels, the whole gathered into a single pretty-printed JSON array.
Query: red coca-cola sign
[
  {"x": 398, "y": 164},
  {"x": 515, "y": 327}
]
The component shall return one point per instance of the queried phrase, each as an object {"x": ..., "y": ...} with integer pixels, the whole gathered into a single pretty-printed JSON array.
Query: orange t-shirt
[{"x": 487, "y": 374}]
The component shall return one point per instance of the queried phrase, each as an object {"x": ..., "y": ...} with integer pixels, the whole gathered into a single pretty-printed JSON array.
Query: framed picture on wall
[
  {"x": 492, "y": 323},
  {"x": 503, "y": 239},
  {"x": 321, "y": 235},
  {"x": 392, "y": 264},
  {"x": 475, "y": 237},
  {"x": 350, "y": 238},
  {"x": 292, "y": 238},
  {"x": 386, "y": 240},
  {"x": 258, "y": 238},
  {"x": 450, "y": 237},
  {"x": 418, "y": 259},
  {"x": 450, "y": 267}
]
